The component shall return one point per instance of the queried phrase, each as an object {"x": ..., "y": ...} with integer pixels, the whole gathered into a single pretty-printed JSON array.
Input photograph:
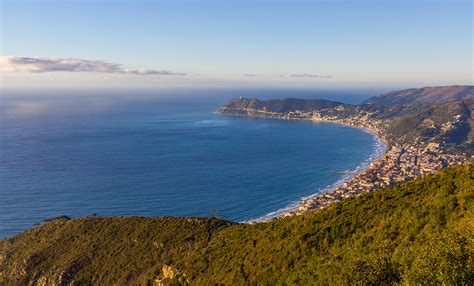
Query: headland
[{"x": 430, "y": 132}]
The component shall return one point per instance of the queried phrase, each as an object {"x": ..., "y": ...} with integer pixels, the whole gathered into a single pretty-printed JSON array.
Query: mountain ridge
[
  {"x": 429, "y": 94},
  {"x": 396, "y": 110}
]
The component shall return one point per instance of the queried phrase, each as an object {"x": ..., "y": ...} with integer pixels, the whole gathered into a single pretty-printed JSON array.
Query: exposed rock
[
  {"x": 62, "y": 217},
  {"x": 168, "y": 274}
]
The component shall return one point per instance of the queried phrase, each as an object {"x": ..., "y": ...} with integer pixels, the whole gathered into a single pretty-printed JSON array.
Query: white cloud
[
  {"x": 311, "y": 75},
  {"x": 11, "y": 64}
]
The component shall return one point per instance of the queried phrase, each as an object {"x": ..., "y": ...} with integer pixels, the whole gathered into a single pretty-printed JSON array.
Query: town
[{"x": 400, "y": 163}]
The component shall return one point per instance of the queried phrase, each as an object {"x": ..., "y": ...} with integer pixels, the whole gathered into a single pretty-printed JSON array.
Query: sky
[{"x": 101, "y": 44}]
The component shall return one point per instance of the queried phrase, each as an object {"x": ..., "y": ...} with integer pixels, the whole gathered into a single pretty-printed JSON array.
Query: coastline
[
  {"x": 292, "y": 207},
  {"x": 397, "y": 163},
  {"x": 379, "y": 151}
]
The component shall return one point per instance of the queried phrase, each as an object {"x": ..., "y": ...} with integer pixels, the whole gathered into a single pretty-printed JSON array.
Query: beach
[
  {"x": 397, "y": 163},
  {"x": 294, "y": 207}
]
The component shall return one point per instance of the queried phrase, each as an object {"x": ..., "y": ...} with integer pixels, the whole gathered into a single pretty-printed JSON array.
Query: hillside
[
  {"x": 426, "y": 95},
  {"x": 441, "y": 115},
  {"x": 240, "y": 105},
  {"x": 448, "y": 123},
  {"x": 421, "y": 232}
]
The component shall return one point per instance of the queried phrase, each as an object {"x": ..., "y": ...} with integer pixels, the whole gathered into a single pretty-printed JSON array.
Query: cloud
[
  {"x": 56, "y": 64},
  {"x": 311, "y": 75}
]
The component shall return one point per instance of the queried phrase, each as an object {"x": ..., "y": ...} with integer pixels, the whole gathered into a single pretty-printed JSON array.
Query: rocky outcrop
[{"x": 169, "y": 275}]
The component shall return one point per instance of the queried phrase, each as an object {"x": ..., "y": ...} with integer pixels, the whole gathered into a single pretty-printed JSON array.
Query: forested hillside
[
  {"x": 421, "y": 232},
  {"x": 426, "y": 95},
  {"x": 442, "y": 114}
]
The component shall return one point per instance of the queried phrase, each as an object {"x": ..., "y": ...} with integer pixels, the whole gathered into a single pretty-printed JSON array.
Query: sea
[{"x": 166, "y": 153}]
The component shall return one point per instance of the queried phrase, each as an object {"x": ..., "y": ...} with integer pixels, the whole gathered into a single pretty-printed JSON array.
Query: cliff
[{"x": 419, "y": 232}]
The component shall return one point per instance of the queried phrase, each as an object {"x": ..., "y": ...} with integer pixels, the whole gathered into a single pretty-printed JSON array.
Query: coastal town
[{"x": 399, "y": 163}]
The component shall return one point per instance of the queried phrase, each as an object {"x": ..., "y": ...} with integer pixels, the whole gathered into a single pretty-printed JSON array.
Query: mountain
[
  {"x": 278, "y": 105},
  {"x": 441, "y": 115},
  {"x": 417, "y": 233},
  {"x": 449, "y": 123},
  {"x": 429, "y": 95},
  {"x": 401, "y": 101}
]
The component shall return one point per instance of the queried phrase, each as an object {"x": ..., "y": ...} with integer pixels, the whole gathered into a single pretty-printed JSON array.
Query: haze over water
[{"x": 164, "y": 154}]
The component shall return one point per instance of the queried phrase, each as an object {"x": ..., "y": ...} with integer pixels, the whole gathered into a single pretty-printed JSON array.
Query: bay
[{"x": 163, "y": 154}]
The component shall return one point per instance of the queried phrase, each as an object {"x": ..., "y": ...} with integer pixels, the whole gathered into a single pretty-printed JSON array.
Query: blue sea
[{"x": 165, "y": 153}]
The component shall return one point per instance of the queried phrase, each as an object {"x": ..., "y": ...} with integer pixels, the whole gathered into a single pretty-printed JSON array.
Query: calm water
[{"x": 154, "y": 154}]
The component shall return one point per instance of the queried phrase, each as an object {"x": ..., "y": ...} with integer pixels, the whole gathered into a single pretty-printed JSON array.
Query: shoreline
[
  {"x": 397, "y": 163},
  {"x": 379, "y": 152},
  {"x": 292, "y": 207}
]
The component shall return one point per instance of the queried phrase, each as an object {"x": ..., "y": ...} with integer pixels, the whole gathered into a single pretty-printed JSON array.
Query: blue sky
[{"x": 221, "y": 43}]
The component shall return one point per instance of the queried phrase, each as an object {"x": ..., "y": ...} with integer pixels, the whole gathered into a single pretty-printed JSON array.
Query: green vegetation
[
  {"x": 418, "y": 233},
  {"x": 433, "y": 114},
  {"x": 283, "y": 105},
  {"x": 430, "y": 95},
  {"x": 427, "y": 122}
]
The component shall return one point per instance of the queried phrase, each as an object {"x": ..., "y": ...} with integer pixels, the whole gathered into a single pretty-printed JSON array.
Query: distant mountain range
[
  {"x": 431, "y": 114},
  {"x": 429, "y": 95}
]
